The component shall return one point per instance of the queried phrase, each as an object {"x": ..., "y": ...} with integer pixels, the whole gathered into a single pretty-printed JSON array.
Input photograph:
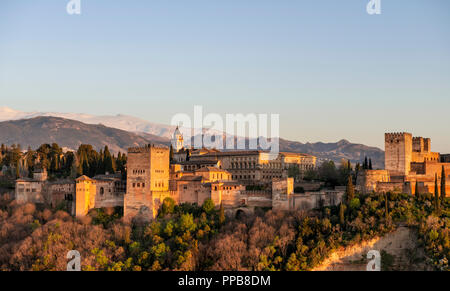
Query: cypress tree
[
  {"x": 436, "y": 196},
  {"x": 370, "y": 164},
  {"x": 17, "y": 169},
  {"x": 416, "y": 191},
  {"x": 386, "y": 206},
  {"x": 443, "y": 185},
  {"x": 366, "y": 164},
  {"x": 221, "y": 215},
  {"x": 342, "y": 214},
  {"x": 108, "y": 161},
  {"x": 350, "y": 191},
  {"x": 187, "y": 155}
]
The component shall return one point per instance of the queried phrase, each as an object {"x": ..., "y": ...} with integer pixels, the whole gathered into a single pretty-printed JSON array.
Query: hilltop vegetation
[
  {"x": 60, "y": 164},
  {"x": 190, "y": 237}
]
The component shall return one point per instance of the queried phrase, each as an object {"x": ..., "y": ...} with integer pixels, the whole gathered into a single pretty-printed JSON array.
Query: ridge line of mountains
[{"x": 69, "y": 134}]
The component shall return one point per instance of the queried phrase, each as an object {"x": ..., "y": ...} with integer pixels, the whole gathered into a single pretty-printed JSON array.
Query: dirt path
[{"x": 399, "y": 249}]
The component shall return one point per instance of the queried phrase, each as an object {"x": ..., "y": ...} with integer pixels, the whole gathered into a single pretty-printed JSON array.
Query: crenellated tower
[
  {"x": 398, "y": 153},
  {"x": 147, "y": 175}
]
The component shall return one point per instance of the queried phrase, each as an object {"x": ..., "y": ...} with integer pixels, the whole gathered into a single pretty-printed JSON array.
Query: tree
[
  {"x": 208, "y": 206},
  {"x": 294, "y": 172},
  {"x": 443, "y": 185},
  {"x": 108, "y": 161},
  {"x": 386, "y": 205},
  {"x": 342, "y": 214},
  {"x": 350, "y": 191},
  {"x": 168, "y": 206},
  {"x": 416, "y": 191},
  {"x": 17, "y": 169},
  {"x": 221, "y": 215},
  {"x": 366, "y": 164},
  {"x": 436, "y": 196},
  {"x": 354, "y": 204},
  {"x": 357, "y": 169},
  {"x": 328, "y": 173},
  {"x": 370, "y": 164},
  {"x": 345, "y": 169}
]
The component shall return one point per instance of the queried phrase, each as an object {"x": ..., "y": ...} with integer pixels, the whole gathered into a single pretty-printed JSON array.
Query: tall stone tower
[
  {"x": 147, "y": 175},
  {"x": 398, "y": 153},
  {"x": 177, "y": 140}
]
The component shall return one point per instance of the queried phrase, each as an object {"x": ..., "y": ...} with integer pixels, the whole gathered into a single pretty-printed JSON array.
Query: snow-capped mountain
[
  {"x": 123, "y": 122},
  {"x": 156, "y": 133}
]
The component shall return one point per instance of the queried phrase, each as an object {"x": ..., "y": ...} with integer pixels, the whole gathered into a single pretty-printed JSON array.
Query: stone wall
[{"x": 367, "y": 180}]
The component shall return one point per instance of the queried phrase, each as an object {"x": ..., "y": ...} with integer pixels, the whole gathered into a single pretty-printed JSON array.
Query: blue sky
[{"x": 327, "y": 67}]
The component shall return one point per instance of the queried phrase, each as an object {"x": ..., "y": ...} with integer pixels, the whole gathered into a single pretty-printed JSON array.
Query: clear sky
[{"x": 327, "y": 67}]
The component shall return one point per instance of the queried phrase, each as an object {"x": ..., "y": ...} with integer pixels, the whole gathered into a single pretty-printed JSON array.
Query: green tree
[
  {"x": 354, "y": 204},
  {"x": 186, "y": 222},
  {"x": 437, "y": 202},
  {"x": 328, "y": 173},
  {"x": 366, "y": 164},
  {"x": 17, "y": 169},
  {"x": 416, "y": 191},
  {"x": 443, "y": 184},
  {"x": 294, "y": 172},
  {"x": 208, "y": 206},
  {"x": 350, "y": 191},
  {"x": 168, "y": 206},
  {"x": 386, "y": 205},
  {"x": 342, "y": 214},
  {"x": 108, "y": 161},
  {"x": 221, "y": 215}
]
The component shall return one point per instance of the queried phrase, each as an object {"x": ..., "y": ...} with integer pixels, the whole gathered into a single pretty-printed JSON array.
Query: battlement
[
  {"x": 421, "y": 145},
  {"x": 145, "y": 149},
  {"x": 393, "y": 136}
]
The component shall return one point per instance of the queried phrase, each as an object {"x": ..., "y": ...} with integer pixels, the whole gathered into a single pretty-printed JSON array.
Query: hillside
[{"x": 70, "y": 134}]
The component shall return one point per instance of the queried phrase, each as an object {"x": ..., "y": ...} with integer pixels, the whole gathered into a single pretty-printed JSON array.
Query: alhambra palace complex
[
  {"x": 409, "y": 161},
  {"x": 225, "y": 177}
]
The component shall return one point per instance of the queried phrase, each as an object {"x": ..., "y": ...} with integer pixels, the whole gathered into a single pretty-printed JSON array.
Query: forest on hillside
[{"x": 191, "y": 237}]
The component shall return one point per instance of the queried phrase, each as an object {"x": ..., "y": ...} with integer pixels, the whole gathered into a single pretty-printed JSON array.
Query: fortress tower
[
  {"x": 398, "y": 153},
  {"x": 147, "y": 178}
]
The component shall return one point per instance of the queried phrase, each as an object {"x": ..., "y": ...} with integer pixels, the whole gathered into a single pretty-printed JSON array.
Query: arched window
[{"x": 102, "y": 191}]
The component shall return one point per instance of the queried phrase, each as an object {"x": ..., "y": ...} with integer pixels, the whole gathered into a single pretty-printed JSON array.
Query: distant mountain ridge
[
  {"x": 70, "y": 134},
  {"x": 337, "y": 151},
  {"x": 120, "y": 121},
  {"x": 141, "y": 131}
]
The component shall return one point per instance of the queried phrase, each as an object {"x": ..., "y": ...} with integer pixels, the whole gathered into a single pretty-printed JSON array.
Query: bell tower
[{"x": 177, "y": 140}]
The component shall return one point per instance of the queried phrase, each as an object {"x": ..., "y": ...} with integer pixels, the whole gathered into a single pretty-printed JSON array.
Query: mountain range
[{"x": 119, "y": 132}]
